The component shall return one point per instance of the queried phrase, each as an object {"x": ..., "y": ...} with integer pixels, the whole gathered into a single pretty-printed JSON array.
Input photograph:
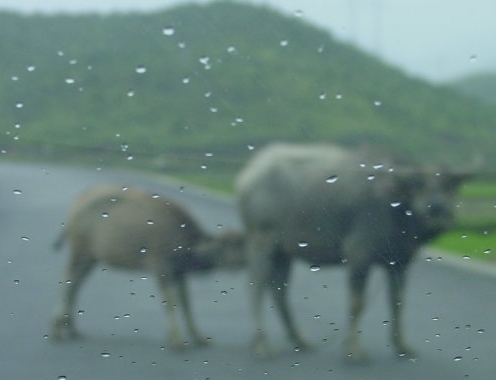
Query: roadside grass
[{"x": 474, "y": 233}]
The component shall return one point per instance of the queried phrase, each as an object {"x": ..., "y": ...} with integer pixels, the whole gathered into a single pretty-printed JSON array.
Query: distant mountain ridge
[{"x": 222, "y": 78}]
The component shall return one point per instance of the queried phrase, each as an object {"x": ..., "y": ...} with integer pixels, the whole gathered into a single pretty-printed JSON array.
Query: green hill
[
  {"x": 479, "y": 86},
  {"x": 218, "y": 79}
]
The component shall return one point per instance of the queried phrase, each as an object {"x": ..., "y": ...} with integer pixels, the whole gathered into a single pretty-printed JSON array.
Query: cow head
[{"x": 428, "y": 196}]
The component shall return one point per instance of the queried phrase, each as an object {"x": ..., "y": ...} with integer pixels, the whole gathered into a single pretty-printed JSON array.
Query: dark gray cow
[
  {"x": 131, "y": 229},
  {"x": 329, "y": 205}
]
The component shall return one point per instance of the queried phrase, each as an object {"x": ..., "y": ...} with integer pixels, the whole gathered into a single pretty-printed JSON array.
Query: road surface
[{"x": 450, "y": 311}]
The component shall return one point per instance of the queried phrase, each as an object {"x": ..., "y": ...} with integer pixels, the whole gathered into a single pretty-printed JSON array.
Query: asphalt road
[{"x": 450, "y": 311}]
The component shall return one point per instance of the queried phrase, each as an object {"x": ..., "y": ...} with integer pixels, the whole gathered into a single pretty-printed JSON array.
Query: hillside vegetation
[
  {"x": 202, "y": 86},
  {"x": 480, "y": 86}
]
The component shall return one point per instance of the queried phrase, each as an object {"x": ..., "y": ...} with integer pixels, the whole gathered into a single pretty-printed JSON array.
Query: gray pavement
[{"x": 450, "y": 309}]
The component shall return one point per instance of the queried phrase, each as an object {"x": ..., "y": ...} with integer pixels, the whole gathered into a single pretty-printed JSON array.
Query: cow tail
[{"x": 59, "y": 241}]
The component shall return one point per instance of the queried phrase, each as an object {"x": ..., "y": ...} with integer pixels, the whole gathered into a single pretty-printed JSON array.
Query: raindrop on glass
[
  {"x": 141, "y": 69},
  {"x": 168, "y": 31},
  {"x": 303, "y": 244},
  {"x": 332, "y": 179},
  {"x": 315, "y": 268}
]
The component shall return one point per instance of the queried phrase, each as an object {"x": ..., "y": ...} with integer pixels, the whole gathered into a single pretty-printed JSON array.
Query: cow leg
[
  {"x": 259, "y": 253},
  {"x": 186, "y": 305},
  {"x": 357, "y": 281},
  {"x": 79, "y": 267},
  {"x": 396, "y": 276},
  {"x": 279, "y": 285},
  {"x": 169, "y": 288}
]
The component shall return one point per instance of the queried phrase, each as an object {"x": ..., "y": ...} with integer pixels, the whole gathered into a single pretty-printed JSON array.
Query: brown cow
[{"x": 131, "y": 229}]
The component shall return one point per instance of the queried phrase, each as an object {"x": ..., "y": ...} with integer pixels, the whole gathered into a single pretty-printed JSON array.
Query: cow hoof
[
  {"x": 356, "y": 358},
  {"x": 202, "y": 341},
  {"x": 406, "y": 353},
  {"x": 261, "y": 347}
]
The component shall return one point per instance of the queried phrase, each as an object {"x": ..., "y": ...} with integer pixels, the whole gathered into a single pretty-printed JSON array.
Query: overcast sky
[{"x": 438, "y": 40}]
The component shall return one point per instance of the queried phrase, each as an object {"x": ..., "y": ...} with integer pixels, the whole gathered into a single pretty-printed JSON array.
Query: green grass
[
  {"x": 474, "y": 234},
  {"x": 479, "y": 190},
  {"x": 479, "y": 244}
]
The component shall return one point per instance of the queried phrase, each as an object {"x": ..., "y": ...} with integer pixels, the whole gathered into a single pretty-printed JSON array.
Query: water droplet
[
  {"x": 284, "y": 43},
  {"x": 231, "y": 50},
  {"x": 322, "y": 96},
  {"x": 303, "y": 244},
  {"x": 62, "y": 377},
  {"x": 314, "y": 268},
  {"x": 395, "y": 204},
  {"x": 481, "y": 331},
  {"x": 473, "y": 58},
  {"x": 223, "y": 292},
  {"x": 186, "y": 80},
  {"x": 105, "y": 355},
  {"x": 130, "y": 93},
  {"x": 457, "y": 358},
  {"x": 377, "y": 103},
  {"x": 105, "y": 214},
  {"x": 143, "y": 250},
  {"x": 31, "y": 68},
  {"x": 487, "y": 251},
  {"x": 130, "y": 157},
  {"x": 214, "y": 109},
  {"x": 298, "y": 13},
  {"x": 371, "y": 177},
  {"x": 250, "y": 147},
  {"x": 17, "y": 192},
  {"x": 16, "y": 282},
  {"x": 339, "y": 96},
  {"x": 205, "y": 61},
  {"x": 168, "y": 31},
  {"x": 332, "y": 179},
  {"x": 70, "y": 80},
  {"x": 19, "y": 104},
  {"x": 466, "y": 257},
  {"x": 140, "y": 69},
  {"x": 149, "y": 221},
  {"x": 24, "y": 238}
]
